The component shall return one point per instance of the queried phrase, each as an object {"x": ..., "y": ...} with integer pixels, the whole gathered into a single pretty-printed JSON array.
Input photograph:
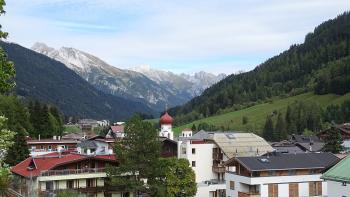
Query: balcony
[
  {"x": 72, "y": 171},
  {"x": 248, "y": 194},
  {"x": 218, "y": 169},
  {"x": 217, "y": 156}
]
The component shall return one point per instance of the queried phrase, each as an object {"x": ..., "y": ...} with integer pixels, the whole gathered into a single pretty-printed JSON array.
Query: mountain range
[
  {"x": 42, "y": 78},
  {"x": 155, "y": 88}
]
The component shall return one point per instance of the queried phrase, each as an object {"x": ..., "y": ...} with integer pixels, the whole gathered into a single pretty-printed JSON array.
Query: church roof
[{"x": 166, "y": 119}]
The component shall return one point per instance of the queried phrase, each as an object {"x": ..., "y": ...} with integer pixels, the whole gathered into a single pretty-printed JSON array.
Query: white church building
[{"x": 166, "y": 129}]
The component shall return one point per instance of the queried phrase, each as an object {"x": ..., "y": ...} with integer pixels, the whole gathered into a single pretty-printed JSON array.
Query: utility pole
[{"x": 30, "y": 182}]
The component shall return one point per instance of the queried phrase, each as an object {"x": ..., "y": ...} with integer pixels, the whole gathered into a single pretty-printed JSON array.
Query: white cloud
[{"x": 170, "y": 34}]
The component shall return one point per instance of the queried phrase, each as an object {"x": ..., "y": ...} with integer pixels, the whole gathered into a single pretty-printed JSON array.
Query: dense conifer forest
[{"x": 321, "y": 65}]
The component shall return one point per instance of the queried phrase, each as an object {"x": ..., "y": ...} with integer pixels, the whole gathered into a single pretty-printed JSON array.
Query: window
[
  {"x": 90, "y": 183},
  {"x": 232, "y": 185},
  {"x": 70, "y": 184},
  {"x": 183, "y": 150},
  {"x": 50, "y": 147},
  {"x": 292, "y": 172},
  {"x": 313, "y": 172},
  {"x": 193, "y": 163},
  {"x": 193, "y": 151},
  {"x": 256, "y": 174},
  {"x": 272, "y": 173},
  {"x": 315, "y": 188},
  {"x": 49, "y": 186},
  {"x": 343, "y": 183}
]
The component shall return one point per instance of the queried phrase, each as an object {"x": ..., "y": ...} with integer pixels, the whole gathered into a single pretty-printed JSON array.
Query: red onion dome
[{"x": 166, "y": 119}]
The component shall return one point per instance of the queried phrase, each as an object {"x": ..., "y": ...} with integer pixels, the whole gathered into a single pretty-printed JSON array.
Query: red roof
[
  {"x": 186, "y": 129},
  {"x": 118, "y": 128},
  {"x": 52, "y": 160},
  {"x": 166, "y": 119}
]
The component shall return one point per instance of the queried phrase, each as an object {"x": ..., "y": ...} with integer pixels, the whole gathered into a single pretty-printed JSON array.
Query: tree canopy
[{"x": 142, "y": 170}]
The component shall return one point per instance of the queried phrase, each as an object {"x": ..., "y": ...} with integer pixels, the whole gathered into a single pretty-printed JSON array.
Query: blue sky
[{"x": 181, "y": 36}]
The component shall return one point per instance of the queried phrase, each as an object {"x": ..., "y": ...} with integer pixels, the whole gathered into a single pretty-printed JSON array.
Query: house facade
[
  {"x": 278, "y": 175},
  {"x": 338, "y": 179},
  {"x": 207, "y": 152},
  {"x": 344, "y": 130},
  {"x": 45, "y": 146},
  {"x": 49, "y": 174}
]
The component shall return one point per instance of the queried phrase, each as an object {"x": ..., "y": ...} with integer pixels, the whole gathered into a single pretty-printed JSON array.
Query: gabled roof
[
  {"x": 165, "y": 139},
  {"x": 287, "y": 161},
  {"x": 340, "y": 172},
  {"x": 233, "y": 143},
  {"x": 241, "y": 144},
  {"x": 88, "y": 144},
  {"x": 52, "y": 160},
  {"x": 118, "y": 128}
]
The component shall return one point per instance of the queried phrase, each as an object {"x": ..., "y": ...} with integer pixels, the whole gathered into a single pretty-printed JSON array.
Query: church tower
[{"x": 166, "y": 128}]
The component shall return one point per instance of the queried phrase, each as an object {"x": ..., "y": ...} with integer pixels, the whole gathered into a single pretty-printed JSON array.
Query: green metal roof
[{"x": 340, "y": 172}]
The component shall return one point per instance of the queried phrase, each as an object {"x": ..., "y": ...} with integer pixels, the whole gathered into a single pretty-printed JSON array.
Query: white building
[
  {"x": 338, "y": 179},
  {"x": 166, "y": 129},
  {"x": 276, "y": 174},
  {"x": 186, "y": 133},
  {"x": 207, "y": 151},
  {"x": 96, "y": 146}
]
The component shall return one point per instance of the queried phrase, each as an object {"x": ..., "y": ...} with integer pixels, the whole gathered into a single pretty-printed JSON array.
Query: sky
[{"x": 217, "y": 36}]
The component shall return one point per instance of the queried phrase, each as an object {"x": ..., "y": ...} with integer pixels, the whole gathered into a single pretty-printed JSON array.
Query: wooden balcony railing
[
  {"x": 218, "y": 169},
  {"x": 72, "y": 171},
  {"x": 248, "y": 194}
]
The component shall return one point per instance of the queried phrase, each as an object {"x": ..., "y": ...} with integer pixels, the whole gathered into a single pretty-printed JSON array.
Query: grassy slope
[
  {"x": 71, "y": 129},
  {"x": 257, "y": 114}
]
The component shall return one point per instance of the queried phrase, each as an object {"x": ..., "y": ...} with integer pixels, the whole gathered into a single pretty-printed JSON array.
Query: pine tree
[
  {"x": 268, "y": 131},
  {"x": 7, "y": 69},
  {"x": 280, "y": 129},
  {"x": 194, "y": 129},
  {"x": 333, "y": 140},
  {"x": 19, "y": 151},
  {"x": 58, "y": 120},
  {"x": 138, "y": 156}
]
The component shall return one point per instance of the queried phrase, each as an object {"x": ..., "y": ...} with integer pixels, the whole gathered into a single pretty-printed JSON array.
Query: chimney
[
  {"x": 54, "y": 137},
  {"x": 39, "y": 137}
]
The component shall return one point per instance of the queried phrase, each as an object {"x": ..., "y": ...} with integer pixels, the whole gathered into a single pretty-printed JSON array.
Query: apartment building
[
  {"x": 207, "y": 152},
  {"x": 278, "y": 175}
]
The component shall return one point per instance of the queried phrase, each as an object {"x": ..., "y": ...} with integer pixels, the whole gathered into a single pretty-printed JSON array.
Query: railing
[
  {"x": 214, "y": 182},
  {"x": 218, "y": 169},
  {"x": 248, "y": 194},
  {"x": 72, "y": 171},
  {"x": 50, "y": 150}
]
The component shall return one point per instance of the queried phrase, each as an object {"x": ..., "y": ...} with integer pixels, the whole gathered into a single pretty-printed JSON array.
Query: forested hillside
[
  {"x": 320, "y": 64},
  {"x": 41, "y": 78},
  {"x": 252, "y": 119}
]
